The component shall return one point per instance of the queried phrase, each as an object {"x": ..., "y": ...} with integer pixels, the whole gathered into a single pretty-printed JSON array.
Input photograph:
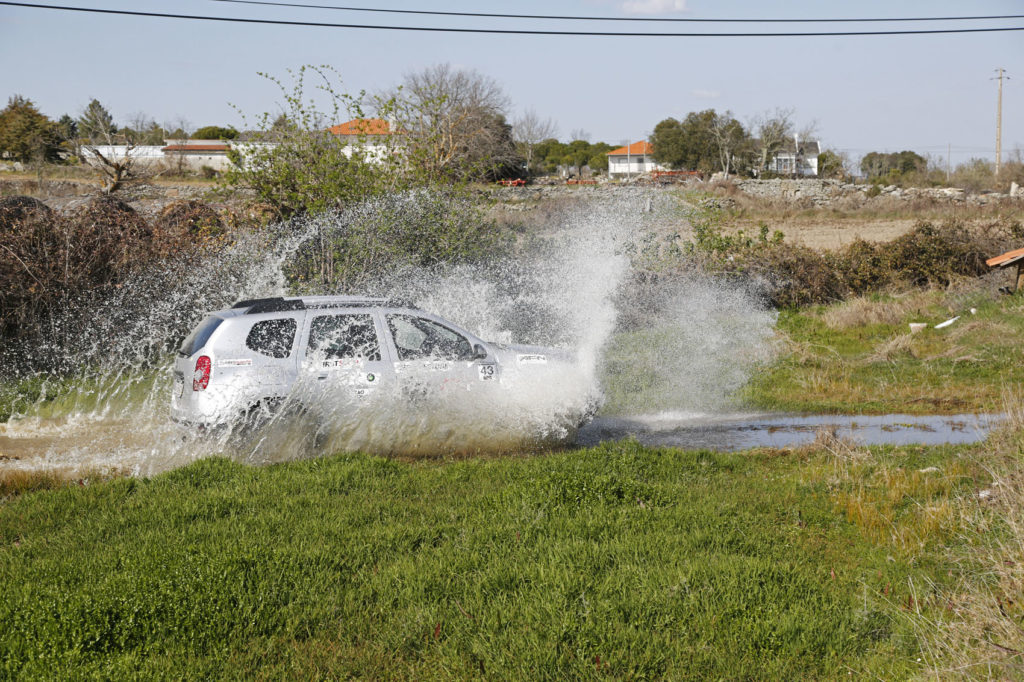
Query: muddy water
[
  {"x": 117, "y": 444},
  {"x": 743, "y": 431}
]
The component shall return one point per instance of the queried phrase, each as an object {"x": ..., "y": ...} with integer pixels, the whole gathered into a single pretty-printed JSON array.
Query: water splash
[{"x": 563, "y": 288}]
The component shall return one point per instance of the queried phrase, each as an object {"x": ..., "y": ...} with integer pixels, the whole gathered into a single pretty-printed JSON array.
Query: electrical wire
[
  {"x": 596, "y": 18},
  {"x": 439, "y": 29}
]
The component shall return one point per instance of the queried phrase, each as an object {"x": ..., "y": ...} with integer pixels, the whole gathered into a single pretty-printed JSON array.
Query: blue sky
[{"x": 884, "y": 93}]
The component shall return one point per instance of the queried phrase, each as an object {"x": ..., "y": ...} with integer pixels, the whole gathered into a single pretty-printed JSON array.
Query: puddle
[{"x": 742, "y": 431}]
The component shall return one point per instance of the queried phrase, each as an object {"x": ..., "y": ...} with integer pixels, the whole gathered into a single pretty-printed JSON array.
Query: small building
[
  {"x": 796, "y": 158},
  {"x": 631, "y": 160},
  {"x": 194, "y": 154},
  {"x": 368, "y": 133}
]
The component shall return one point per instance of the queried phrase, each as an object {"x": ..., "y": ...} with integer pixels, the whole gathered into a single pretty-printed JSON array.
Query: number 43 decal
[{"x": 486, "y": 372}]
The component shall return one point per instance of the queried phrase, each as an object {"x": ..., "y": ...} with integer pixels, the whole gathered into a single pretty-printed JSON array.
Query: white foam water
[{"x": 564, "y": 290}]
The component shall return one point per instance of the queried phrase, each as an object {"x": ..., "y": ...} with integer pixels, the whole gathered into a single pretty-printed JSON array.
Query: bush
[
  {"x": 193, "y": 220},
  {"x": 354, "y": 248},
  {"x": 795, "y": 275},
  {"x": 934, "y": 255},
  {"x": 48, "y": 260},
  {"x": 862, "y": 266}
]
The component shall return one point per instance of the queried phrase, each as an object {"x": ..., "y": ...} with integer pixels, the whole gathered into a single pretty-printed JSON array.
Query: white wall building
[
  {"x": 801, "y": 158},
  {"x": 367, "y": 133},
  {"x": 631, "y": 160}
]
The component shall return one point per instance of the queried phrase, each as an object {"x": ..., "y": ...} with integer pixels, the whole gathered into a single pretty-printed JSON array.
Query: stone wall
[{"x": 822, "y": 192}]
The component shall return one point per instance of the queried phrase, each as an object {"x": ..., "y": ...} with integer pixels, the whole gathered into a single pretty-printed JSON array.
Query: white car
[{"x": 342, "y": 351}]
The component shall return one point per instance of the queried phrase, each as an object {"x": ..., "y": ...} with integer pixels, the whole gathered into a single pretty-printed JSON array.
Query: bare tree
[
  {"x": 730, "y": 138},
  {"x": 529, "y": 130},
  {"x": 112, "y": 153},
  {"x": 773, "y": 130},
  {"x": 453, "y": 122}
]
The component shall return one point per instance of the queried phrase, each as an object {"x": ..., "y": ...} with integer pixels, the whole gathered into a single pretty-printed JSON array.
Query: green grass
[
  {"x": 879, "y": 367},
  {"x": 619, "y": 561}
]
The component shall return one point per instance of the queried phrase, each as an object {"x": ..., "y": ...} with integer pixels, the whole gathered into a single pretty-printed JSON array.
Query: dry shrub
[
  {"x": 931, "y": 254},
  {"x": 987, "y": 328},
  {"x": 862, "y": 266},
  {"x": 893, "y": 349},
  {"x": 48, "y": 258},
  {"x": 17, "y": 482},
  {"x": 108, "y": 239},
  {"x": 16, "y": 209},
  {"x": 827, "y": 439},
  {"x": 795, "y": 275},
  {"x": 861, "y": 311},
  {"x": 195, "y": 219}
]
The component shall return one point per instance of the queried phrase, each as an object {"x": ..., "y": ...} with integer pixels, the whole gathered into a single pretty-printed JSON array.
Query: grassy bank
[
  {"x": 618, "y": 561},
  {"x": 860, "y": 356}
]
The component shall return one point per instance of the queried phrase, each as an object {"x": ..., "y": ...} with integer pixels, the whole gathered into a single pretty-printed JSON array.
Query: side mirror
[{"x": 479, "y": 352}]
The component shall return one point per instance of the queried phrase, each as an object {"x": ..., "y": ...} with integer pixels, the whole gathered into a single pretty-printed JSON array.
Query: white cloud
[
  {"x": 706, "y": 94},
  {"x": 653, "y": 6}
]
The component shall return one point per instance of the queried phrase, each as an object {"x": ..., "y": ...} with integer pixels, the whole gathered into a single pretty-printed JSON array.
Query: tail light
[{"x": 201, "y": 377}]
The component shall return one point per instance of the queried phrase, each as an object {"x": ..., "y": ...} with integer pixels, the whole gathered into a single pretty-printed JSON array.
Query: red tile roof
[
  {"x": 637, "y": 148},
  {"x": 196, "y": 148},
  {"x": 1005, "y": 259},
  {"x": 362, "y": 126}
]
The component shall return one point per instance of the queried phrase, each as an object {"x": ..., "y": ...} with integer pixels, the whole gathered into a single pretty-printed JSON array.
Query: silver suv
[{"x": 262, "y": 352}]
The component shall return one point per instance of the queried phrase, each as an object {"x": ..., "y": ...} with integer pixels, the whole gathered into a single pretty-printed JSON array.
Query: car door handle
[{"x": 321, "y": 377}]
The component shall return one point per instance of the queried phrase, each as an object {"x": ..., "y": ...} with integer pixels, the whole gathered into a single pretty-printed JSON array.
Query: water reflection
[{"x": 742, "y": 431}]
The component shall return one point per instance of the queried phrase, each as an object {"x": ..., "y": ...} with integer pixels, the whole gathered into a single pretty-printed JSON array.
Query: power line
[
  {"x": 597, "y": 18},
  {"x": 439, "y": 29}
]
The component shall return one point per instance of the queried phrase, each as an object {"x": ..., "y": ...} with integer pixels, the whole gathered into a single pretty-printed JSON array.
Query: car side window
[
  {"x": 417, "y": 337},
  {"x": 338, "y": 337},
  {"x": 273, "y": 338}
]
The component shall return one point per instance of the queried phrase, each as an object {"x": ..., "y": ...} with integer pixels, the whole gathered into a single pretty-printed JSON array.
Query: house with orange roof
[
  {"x": 369, "y": 134},
  {"x": 632, "y": 159}
]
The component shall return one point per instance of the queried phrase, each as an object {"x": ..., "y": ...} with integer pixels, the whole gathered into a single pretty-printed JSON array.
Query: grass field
[
  {"x": 860, "y": 356},
  {"x": 619, "y": 561}
]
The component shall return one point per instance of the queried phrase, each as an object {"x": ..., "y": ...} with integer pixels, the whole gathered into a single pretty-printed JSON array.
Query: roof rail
[{"x": 280, "y": 304}]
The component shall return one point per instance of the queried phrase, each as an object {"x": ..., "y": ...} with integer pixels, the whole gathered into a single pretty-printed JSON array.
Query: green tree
[
  {"x": 67, "y": 127},
  {"x": 96, "y": 123},
  {"x": 307, "y": 170},
  {"x": 26, "y": 135},
  {"x": 688, "y": 144},
  {"x": 878, "y": 164},
  {"x": 831, "y": 164},
  {"x": 215, "y": 133}
]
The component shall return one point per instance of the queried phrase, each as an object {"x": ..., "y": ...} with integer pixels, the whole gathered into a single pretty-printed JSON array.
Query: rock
[{"x": 1015, "y": 190}]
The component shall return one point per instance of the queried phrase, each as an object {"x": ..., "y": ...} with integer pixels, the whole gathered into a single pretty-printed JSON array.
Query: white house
[
  {"x": 368, "y": 133},
  {"x": 632, "y": 160},
  {"x": 797, "y": 158}
]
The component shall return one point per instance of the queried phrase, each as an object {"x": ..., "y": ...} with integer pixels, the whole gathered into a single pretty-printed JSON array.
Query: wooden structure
[{"x": 1006, "y": 260}]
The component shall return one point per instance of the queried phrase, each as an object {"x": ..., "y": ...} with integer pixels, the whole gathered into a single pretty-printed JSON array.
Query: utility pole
[
  {"x": 949, "y": 151},
  {"x": 999, "y": 120}
]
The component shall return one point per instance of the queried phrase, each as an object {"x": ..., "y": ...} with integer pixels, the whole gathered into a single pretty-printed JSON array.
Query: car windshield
[{"x": 199, "y": 336}]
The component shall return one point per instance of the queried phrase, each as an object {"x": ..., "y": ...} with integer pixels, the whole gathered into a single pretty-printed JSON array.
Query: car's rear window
[
  {"x": 273, "y": 338},
  {"x": 199, "y": 336}
]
